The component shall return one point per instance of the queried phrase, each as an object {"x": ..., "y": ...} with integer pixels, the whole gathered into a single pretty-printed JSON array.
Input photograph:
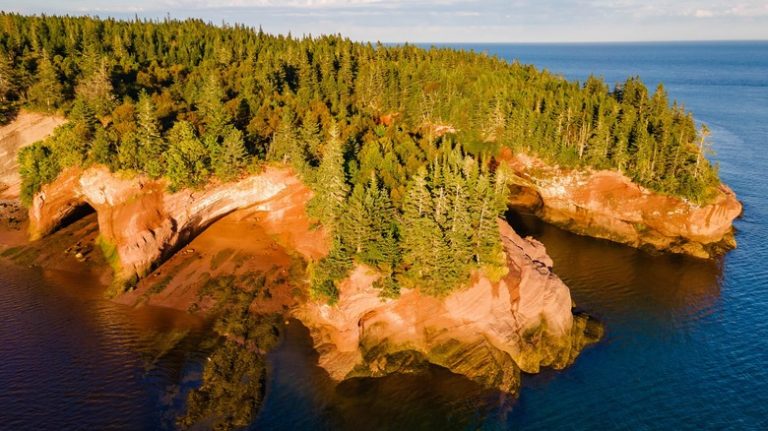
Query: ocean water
[{"x": 686, "y": 343}]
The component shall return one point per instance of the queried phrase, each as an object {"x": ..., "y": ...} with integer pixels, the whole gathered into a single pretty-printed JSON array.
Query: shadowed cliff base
[
  {"x": 608, "y": 205},
  {"x": 254, "y": 261},
  {"x": 250, "y": 242}
]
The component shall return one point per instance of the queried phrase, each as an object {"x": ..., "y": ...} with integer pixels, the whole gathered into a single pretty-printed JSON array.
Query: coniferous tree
[
  {"x": 420, "y": 127},
  {"x": 331, "y": 187},
  {"x": 102, "y": 149},
  {"x": 8, "y": 87},
  {"x": 229, "y": 160},
  {"x": 47, "y": 91},
  {"x": 212, "y": 109},
  {"x": 96, "y": 90},
  {"x": 187, "y": 158},
  {"x": 284, "y": 140},
  {"x": 151, "y": 145}
]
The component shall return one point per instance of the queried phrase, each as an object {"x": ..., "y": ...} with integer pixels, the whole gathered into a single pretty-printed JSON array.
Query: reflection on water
[
  {"x": 611, "y": 279},
  {"x": 300, "y": 395},
  {"x": 70, "y": 361}
]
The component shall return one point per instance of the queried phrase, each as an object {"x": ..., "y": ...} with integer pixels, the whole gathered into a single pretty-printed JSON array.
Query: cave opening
[{"x": 78, "y": 211}]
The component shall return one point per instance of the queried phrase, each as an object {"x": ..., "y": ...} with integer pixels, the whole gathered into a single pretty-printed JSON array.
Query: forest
[{"x": 397, "y": 142}]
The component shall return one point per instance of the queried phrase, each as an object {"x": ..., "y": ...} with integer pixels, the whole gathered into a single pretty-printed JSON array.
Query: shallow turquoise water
[{"x": 686, "y": 343}]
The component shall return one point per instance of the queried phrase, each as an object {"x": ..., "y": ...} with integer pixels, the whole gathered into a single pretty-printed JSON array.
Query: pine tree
[
  {"x": 382, "y": 249},
  {"x": 417, "y": 227},
  {"x": 47, "y": 91},
  {"x": 284, "y": 140},
  {"x": 102, "y": 150},
  {"x": 229, "y": 160},
  {"x": 150, "y": 142},
  {"x": 187, "y": 158},
  {"x": 355, "y": 225},
  {"x": 84, "y": 122},
  {"x": 331, "y": 187},
  {"x": 8, "y": 87},
  {"x": 211, "y": 107},
  {"x": 96, "y": 90},
  {"x": 128, "y": 152}
]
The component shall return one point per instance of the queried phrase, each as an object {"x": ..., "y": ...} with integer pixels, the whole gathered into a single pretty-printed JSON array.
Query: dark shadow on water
[
  {"x": 301, "y": 395},
  {"x": 612, "y": 280}
]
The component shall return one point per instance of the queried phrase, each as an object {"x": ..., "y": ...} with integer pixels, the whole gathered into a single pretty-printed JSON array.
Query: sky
[{"x": 422, "y": 21}]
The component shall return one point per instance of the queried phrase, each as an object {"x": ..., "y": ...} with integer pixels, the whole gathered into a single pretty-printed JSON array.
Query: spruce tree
[
  {"x": 331, "y": 187},
  {"x": 102, "y": 150},
  {"x": 187, "y": 158},
  {"x": 230, "y": 158},
  {"x": 8, "y": 86},
  {"x": 47, "y": 91},
  {"x": 96, "y": 90},
  {"x": 210, "y": 105},
  {"x": 150, "y": 142},
  {"x": 284, "y": 140}
]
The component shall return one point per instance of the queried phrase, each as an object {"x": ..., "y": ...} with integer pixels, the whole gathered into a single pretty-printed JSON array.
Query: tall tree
[
  {"x": 187, "y": 158},
  {"x": 212, "y": 109},
  {"x": 96, "y": 89},
  {"x": 8, "y": 86},
  {"x": 150, "y": 141},
  {"x": 229, "y": 160},
  {"x": 47, "y": 92},
  {"x": 331, "y": 187}
]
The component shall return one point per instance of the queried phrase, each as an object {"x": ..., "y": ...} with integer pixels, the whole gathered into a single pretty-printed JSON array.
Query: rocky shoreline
[
  {"x": 489, "y": 331},
  {"x": 608, "y": 205}
]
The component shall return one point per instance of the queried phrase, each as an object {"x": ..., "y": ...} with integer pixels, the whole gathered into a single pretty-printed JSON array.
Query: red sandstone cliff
[
  {"x": 27, "y": 128},
  {"x": 488, "y": 331},
  {"x": 607, "y": 204},
  {"x": 140, "y": 223}
]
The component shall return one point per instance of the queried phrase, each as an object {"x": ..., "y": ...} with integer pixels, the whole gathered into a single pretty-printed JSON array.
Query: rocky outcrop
[
  {"x": 140, "y": 222},
  {"x": 487, "y": 331},
  {"x": 24, "y": 130},
  {"x": 607, "y": 204}
]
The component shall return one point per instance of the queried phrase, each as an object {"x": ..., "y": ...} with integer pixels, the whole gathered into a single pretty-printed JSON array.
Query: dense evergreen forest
[{"x": 398, "y": 142}]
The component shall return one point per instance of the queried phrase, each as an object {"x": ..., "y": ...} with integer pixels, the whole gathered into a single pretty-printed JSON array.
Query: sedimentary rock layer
[
  {"x": 607, "y": 204},
  {"x": 140, "y": 222},
  {"x": 26, "y": 128},
  {"x": 487, "y": 331}
]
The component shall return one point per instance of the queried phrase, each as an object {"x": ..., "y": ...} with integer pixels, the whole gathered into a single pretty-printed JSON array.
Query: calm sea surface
[{"x": 686, "y": 343}]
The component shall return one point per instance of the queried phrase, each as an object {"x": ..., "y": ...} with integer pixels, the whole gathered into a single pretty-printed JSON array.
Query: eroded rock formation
[
  {"x": 26, "y": 128},
  {"x": 488, "y": 331},
  {"x": 140, "y": 222},
  {"x": 607, "y": 204}
]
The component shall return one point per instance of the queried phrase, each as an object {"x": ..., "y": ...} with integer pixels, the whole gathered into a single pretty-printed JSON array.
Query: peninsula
[{"x": 358, "y": 188}]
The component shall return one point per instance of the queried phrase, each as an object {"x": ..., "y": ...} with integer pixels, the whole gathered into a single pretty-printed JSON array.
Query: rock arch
[{"x": 140, "y": 223}]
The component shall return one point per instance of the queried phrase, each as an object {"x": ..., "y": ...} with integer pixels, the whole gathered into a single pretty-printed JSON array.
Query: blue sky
[{"x": 453, "y": 20}]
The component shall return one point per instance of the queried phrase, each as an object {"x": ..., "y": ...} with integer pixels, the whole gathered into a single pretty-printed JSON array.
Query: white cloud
[
  {"x": 703, "y": 13},
  {"x": 747, "y": 10}
]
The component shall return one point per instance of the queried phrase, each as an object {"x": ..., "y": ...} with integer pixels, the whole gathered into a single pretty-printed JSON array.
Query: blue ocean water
[{"x": 686, "y": 343}]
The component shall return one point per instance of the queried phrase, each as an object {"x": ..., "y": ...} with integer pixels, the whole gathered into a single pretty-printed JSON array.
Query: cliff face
[
  {"x": 26, "y": 128},
  {"x": 606, "y": 204},
  {"x": 488, "y": 331},
  {"x": 140, "y": 223}
]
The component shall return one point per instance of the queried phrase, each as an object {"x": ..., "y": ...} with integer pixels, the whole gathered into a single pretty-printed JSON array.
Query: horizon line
[{"x": 259, "y": 26}]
